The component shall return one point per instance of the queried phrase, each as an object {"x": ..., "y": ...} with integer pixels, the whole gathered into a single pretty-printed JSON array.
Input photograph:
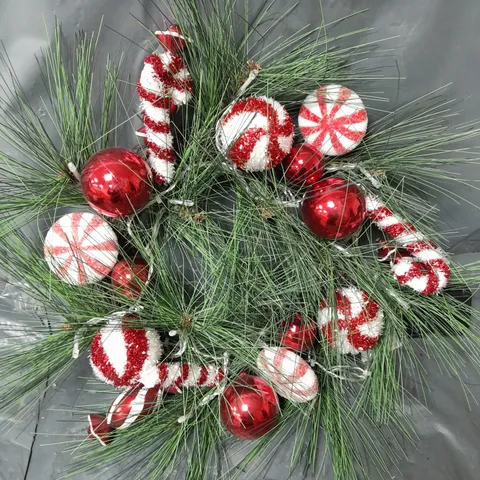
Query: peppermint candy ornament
[
  {"x": 333, "y": 119},
  {"x": 290, "y": 375},
  {"x": 81, "y": 248},
  {"x": 123, "y": 355},
  {"x": 354, "y": 324},
  {"x": 131, "y": 405},
  {"x": 255, "y": 133}
]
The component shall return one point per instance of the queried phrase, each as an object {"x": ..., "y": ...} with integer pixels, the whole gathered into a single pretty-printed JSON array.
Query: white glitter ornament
[
  {"x": 289, "y": 374},
  {"x": 255, "y": 133},
  {"x": 333, "y": 119},
  {"x": 354, "y": 325},
  {"x": 123, "y": 355},
  {"x": 81, "y": 248}
]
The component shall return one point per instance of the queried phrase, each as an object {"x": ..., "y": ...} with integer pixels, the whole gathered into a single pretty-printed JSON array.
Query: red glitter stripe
[
  {"x": 100, "y": 360},
  {"x": 166, "y": 154},
  {"x": 137, "y": 352},
  {"x": 184, "y": 370},
  {"x": 202, "y": 378},
  {"x": 162, "y": 373},
  {"x": 157, "y": 127}
]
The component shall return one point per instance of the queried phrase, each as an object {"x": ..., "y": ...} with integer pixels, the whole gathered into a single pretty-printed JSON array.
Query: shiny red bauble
[
  {"x": 116, "y": 182},
  {"x": 172, "y": 39},
  {"x": 298, "y": 333},
  {"x": 334, "y": 208},
  {"x": 249, "y": 408},
  {"x": 99, "y": 429},
  {"x": 304, "y": 165},
  {"x": 128, "y": 276}
]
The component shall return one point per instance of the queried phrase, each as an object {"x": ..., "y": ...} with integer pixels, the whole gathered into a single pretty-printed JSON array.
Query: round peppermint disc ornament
[
  {"x": 333, "y": 119},
  {"x": 123, "y": 355},
  {"x": 255, "y": 133},
  {"x": 355, "y": 324},
  {"x": 81, "y": 248}
]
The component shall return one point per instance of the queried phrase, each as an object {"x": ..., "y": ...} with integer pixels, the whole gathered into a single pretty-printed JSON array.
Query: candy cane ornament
[
  {"x": 164, "y": 85},
  {"x": 424, "y": 266}
]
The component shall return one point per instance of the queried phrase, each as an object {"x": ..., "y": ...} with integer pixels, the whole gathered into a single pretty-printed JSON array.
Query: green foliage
[{"x": 228, "y": 270}]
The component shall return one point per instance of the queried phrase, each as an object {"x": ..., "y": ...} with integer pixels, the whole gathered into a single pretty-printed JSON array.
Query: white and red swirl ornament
[
  {"x": 123, "y": 355},
  {"x": 164, "y": 85},
  {"x": 255, "y": 133},
  {"x": 333, "y": 119},
  {"x": 289, "y": 374},
  {"x": 420, "y": 264},
  {"x": 354, "y": 324},
  {"x": 81, "y": 248},
  {"x": 173, "y": 377},
  {"x": 131, "y": 405}
]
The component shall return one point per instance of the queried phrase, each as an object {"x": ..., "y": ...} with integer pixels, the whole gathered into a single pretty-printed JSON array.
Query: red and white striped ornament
[
  {"x": 172, "y": 377},
  {"x": 333, "y": 119},
  {"x": 131, "y": 405},
  {"x": 164, "y": 84},
  {"x": 289, "y": 374},
  {"x": 81, "y": 248},
  {"x": 354, "y": 324},
  {"x": 123, "y": 355},
  {"x": 424, "y": 267},
  {"x": 255, "y": 133},
  {"x": 99, "y": 429}
]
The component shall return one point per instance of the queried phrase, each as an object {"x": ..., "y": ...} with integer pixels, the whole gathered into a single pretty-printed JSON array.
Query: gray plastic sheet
[{"x": 437, "y": 44}]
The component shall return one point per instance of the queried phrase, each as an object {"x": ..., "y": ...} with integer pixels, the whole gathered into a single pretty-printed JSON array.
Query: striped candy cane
[
  {"x": 164, "y": 85},
  {"x": 423, "y": 266}
]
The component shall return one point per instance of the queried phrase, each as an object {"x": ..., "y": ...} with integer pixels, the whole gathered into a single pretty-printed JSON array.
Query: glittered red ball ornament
[
  {"x": 249, "y": 408},
  {"x": 304, "y": 165},
  {"x": 128, "y": 276},
  {"x": 131, "y": 405},
  {"x": 99, "y": 429},
  {"x": 116, "y": 182},
  {"x": 334, "y": 208},
  {"x": 298, "y": 333}
]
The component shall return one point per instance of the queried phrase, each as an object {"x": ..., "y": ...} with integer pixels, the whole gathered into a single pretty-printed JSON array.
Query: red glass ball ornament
[
  {"x": 298, "y": 333},
  {"x": 99, "y": 429},
  {"x": 304, "y": 165},
  {"x": 334, "y": 208},
  {"x": 249, "y": 408},
  {"x": 127, "y": 276},
  {"x": 116, "y": 182}
]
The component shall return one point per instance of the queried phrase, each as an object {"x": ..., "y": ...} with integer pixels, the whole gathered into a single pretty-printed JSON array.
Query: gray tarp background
[{"x": 439, "y": 43}]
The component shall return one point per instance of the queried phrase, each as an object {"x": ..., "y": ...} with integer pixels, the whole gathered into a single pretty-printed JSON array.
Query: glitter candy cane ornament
[
  {"x": 255, "y": 133},
  {"x": 172, "y": 377},
  {"x": 164, "y": 84},
  {"x": 424, "y": 266},
  {"x": 333, "y": 119},
  {"x": 354, "y": 324},
  {"x": 81, "y": 248}
]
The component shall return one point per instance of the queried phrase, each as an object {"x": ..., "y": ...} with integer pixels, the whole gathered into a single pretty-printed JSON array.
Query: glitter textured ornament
[
  {"x": 81, "y": 248},
  {"x": 116, "y": 182},
  {"x": 355, "y": 323},
  {"x": 304, "y": 165},
  {"x": 131, "y": 405},
  {"x": 333, "y": 119},
  {"x": 128, "y": 276},
  {"x": 420, "y": 264},
  {"x": 298, "y": 333},
  {"x": 290, "y": 375},
  {"x": 334, "y": 208},
  {"x": 99, "y": 429},
  {"x": 172, "y": 377},
  {"x": 164, "y": 84},
  {"x": 123, "y": 355},
  {"x": 249, "y": 408},
  {"x": 255, "y": 133}
]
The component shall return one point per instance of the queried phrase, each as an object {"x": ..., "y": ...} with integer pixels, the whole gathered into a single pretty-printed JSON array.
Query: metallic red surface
[
  {"x": 128, "y": 276},
  {"x": 334, "y": 208},
  {"x": 116, "y": 182},
  {"x": 297, "y": 333},
  {"x": 249, "y": 408},
  {"x": 304, "y": 165}
]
